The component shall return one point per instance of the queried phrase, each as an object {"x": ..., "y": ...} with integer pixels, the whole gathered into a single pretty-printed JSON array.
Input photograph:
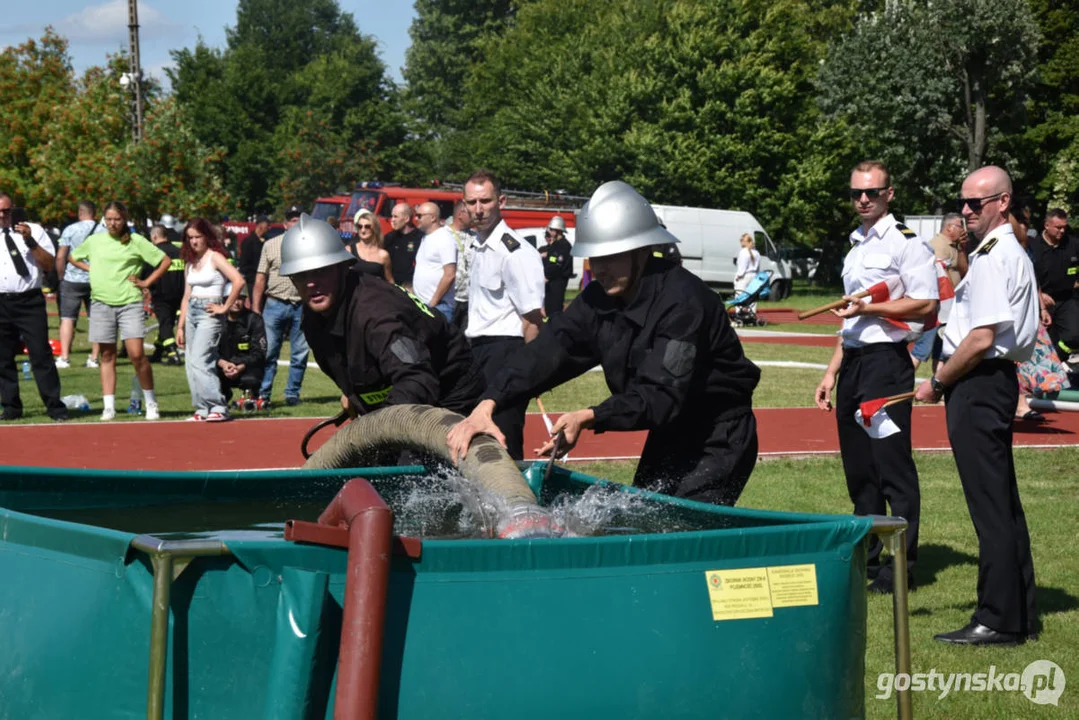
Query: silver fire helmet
[
  {"x": 311, "y": 244},
  {"x": 616, "y": 219},
  {"x": 557, "y": 223}
]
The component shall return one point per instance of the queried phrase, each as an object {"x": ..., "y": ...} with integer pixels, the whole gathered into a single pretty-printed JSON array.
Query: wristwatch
[{"x": 937, "y": 385}]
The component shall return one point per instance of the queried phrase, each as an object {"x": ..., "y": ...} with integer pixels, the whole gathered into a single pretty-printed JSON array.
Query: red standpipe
[{"x": 369, "y": 520}]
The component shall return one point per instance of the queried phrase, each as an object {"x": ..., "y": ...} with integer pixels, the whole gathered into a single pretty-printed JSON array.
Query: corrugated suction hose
[{"x": 424, "y": 428}]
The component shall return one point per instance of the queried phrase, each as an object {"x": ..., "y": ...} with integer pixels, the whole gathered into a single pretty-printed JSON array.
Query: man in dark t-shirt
[{"x": 402, "y": 243}]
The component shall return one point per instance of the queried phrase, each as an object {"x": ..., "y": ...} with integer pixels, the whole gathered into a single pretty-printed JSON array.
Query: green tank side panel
[{"x": 616, "y": 626}]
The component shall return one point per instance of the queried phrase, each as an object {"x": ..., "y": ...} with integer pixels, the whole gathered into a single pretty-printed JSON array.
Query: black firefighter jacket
[{"x": 384, "y": 346}]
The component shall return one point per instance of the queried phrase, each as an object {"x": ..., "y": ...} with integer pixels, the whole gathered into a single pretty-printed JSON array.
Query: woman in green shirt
[{"x": 115, "y": 259}]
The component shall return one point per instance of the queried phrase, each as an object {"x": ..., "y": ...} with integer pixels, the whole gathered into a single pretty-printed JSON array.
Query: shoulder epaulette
[
  {"x": 906, "y": 231},
  {"x": 984, "y": 249},
  {"x": 510, "y": 242}
]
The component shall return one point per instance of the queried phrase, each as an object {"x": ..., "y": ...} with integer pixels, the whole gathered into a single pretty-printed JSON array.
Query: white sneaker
[
  {"x": 62, "y": 363},
  {"x": 91, "y": 363},
  {"x": 152, "y": 412},
  {"x": 108, "y": 414}
]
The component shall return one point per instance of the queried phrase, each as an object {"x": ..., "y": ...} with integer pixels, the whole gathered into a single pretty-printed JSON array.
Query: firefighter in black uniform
[
  {"x": 381, "y": 344},
  {"x": 670, "y": 356},
  {"x": 165, "y": 297},
  {"x": 1056, "y": 264},
  {"x": 241, "y": 354},
  {"x": 557, "y": 257}
]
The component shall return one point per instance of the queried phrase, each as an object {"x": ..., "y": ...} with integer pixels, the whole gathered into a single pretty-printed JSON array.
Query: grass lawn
[{"x": 947, "y": 574}]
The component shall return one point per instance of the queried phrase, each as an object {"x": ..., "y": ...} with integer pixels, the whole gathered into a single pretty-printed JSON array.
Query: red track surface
[
  {"x": 827, "y": 341},
  {"x": 270, "y": 443}
]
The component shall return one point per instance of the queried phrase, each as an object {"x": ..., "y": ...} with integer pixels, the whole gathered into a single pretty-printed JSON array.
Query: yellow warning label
[
  {"x": 793, "y": 585},
  {"x": 739, "y": 594},
  {"x": 748, "y": 593}
]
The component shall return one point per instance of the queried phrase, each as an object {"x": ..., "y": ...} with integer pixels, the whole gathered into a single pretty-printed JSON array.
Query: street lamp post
[{"x": 134, "y": 77}]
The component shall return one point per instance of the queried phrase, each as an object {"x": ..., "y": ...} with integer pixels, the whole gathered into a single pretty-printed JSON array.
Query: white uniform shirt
[
  {"x": 437, "y": 249},
  {"x": 999, "y": 290},
  {"x": 506, "y": 282},
  {"x": 885, "y": 254},
  {"x": 10, "y": 280}
]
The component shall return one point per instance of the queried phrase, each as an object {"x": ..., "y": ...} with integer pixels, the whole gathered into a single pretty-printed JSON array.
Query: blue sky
[{"x": 95, "y": 28}]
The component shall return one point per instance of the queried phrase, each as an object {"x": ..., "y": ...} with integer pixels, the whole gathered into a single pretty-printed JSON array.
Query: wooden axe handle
[
  {"x": 901, "y": 397},
  {"x": 830, "y": 306}
]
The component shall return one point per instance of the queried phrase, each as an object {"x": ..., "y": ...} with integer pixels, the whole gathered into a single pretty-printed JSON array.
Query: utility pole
[{"x": 135, "y": 69}]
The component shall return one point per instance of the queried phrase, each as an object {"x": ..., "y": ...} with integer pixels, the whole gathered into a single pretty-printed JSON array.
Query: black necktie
[{"x": 16, "y": 256}]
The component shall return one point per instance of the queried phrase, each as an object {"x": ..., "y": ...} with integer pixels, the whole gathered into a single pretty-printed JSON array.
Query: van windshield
[
  {"x": 765, "y": 246},
  {"x": 362, "y": 199}
]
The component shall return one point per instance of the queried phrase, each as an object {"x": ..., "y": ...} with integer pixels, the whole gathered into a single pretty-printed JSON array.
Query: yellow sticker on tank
[
  {"x": 748, "y": 593},
  {"x": 793, "y": 585},
  {"x": 739, "y": 594}
]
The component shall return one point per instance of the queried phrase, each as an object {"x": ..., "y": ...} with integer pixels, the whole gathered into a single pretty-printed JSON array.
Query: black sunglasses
[
  {"x": 975, "y": 203},
  {"x": 871, "y": 193}
]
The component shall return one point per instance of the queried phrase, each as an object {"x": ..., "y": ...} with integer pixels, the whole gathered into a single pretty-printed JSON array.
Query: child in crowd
[{"x": 242, "y": 355}]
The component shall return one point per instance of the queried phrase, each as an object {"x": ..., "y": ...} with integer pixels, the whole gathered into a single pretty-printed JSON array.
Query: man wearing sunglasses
[
  {"x": 871, "y": 360},
  {"x": 993, "y": 325}
]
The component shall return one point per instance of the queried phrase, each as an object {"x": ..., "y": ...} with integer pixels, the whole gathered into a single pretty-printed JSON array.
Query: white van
[{"x": 709, "y": 244}]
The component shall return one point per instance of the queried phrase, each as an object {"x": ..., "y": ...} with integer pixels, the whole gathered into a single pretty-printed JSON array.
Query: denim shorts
[{"x": 106, "y": 320}]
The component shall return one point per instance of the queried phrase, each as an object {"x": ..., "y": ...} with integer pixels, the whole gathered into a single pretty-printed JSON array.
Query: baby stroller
[{"x": 741, "y": 306}]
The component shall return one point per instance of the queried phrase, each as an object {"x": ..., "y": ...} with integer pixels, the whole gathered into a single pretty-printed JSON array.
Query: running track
[{"x": 256, "y": 443}]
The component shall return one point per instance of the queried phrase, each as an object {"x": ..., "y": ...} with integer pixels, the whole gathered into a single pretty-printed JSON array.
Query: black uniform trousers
[
  {"x": 980, "y": 408},
  {"x": 460, "y": 315},
  {"x": 23, "y": 320},
  {"x": 554, "y": 296},
  {"x": 704, "y": 461},
  {"x": 880, "y": 472},
  {"x": 250, "y": 380},
  {"x": 490, "y": 355},
  {"x": 165, "y": 310}
]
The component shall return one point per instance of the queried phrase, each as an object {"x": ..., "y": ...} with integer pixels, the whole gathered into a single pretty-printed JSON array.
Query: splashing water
[{"x": 441, "y": 504}]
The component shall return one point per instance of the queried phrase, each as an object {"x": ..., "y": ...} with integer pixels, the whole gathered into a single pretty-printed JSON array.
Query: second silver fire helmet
[
  {"x": 557, "y": 223},
  {"x": 616, "y": 219},
  {"x": 311, "y": 244}
]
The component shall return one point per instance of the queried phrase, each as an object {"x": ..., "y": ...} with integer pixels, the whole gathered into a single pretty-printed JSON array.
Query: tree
[
  {"x": 70, "y": 140},
  {"x": 932, "y": 88},
  {"x": 1052, "y": 141},
  {"x": 36, "y": 84},
  {"x": 694, "y": 103},
  {"x": 298, "y": 99},
  {"x": 447, "y": 38}
]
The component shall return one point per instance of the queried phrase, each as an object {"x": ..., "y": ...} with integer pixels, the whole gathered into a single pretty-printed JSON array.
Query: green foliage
[
  {"x": 71, "y": 140},
  {"x": 299, "y": 101},
  {"x": 695, "y": 103},
  {"x": 36, "y": 82},
  {"x": 932, "y": 88},
  {"x": 1052, "y": 141}
]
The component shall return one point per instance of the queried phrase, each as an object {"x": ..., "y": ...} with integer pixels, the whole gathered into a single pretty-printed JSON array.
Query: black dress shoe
[
  {"x": 977, "y": 634},
  {"x": 7, "y": 415}
]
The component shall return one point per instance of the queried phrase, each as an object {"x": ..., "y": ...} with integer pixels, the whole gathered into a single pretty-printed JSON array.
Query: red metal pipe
[{"x": 369, "y": 520}]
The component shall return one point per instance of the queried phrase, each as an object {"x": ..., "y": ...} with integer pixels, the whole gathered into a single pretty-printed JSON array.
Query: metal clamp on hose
[{"x": 337, "y": 421}]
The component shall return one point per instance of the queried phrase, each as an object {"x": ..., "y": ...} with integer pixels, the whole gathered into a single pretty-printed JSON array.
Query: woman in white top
[
  {"x": 202, "y": 315},
  {"x": 749, "y": 263}
]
